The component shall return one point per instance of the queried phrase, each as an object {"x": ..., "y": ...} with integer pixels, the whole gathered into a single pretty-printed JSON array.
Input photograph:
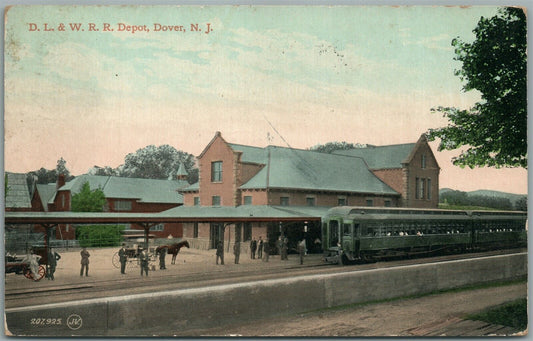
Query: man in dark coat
[
  {"x": 53, "y": 257},
  {"x": 162, "y": 254},
  {"x": 220, "y": 252},
  {"x": 260, "y": 248},
  {"x": 84, "y": 261},
  {"x": 144, "y": 261},
  {"x": 253, "y": 248},
  {"x": 266, "y": 250},
  {"x": 123, "y": 256},
  {"x": 284, "y": 248},
  {"x": 237, "y": 251}
]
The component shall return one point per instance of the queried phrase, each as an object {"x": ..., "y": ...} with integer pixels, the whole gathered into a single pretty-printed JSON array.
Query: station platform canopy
[{"x": 182, "y": 214}]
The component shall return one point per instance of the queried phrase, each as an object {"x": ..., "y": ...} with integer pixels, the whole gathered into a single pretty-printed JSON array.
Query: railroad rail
[{"x": 161, "y": 281}]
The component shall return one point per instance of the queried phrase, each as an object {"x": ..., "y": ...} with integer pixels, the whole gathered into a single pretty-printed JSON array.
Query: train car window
[
  {"x": 346, "y": 229},
  {"x": 356, "y": 229}
]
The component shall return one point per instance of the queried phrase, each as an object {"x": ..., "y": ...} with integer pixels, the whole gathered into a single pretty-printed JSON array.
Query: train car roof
[{"x": 361, "y": 210}]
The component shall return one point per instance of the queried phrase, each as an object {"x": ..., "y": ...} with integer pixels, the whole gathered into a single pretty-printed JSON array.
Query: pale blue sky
[{"x": 318, "y": 74}]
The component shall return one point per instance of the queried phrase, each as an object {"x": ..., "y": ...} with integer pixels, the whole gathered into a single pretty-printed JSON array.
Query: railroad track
[{"x": 168, "y": 281}]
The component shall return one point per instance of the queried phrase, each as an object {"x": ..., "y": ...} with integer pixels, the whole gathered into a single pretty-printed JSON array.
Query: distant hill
[{"x": 489, "y": 193}]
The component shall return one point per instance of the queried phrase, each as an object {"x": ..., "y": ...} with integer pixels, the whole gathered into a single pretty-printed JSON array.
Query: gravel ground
[{"x": 394, "y": 318}]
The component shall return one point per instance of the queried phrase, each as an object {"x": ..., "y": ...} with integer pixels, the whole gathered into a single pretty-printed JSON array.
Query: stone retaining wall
[{"x": 145, "y": 314}]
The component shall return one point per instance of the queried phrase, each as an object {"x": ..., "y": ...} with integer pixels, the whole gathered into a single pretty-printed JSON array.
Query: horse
[{"x": 173, "y": 249}]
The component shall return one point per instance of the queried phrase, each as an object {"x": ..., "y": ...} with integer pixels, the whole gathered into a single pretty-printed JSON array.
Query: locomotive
[{"x": 366, "y": 234}]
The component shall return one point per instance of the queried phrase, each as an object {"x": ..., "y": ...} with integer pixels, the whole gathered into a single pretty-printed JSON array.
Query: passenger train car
[{"x": 365, "y": 234}]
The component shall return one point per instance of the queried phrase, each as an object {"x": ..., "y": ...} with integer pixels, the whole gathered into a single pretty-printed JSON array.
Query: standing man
[
  {"x": 84, "y": 262},
  {"x": 144, "y": 261},
  {"x": 266, "y": 250},
  {"x": 53, "y": 257},
  {"x": 237, "y": 251},
  {"x": 284, "y": 248},
  {"x": 253, "y": 248},
  {"x": 220, "y": 252},
  {"x": 301, "y": 250},
  {"x": 260, "y": 248},
  {"x": 123, "y": 256},
  {"x": 162, "y": 254}
]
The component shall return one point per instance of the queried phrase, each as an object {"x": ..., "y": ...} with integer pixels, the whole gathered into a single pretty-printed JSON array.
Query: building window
[
  {"x": 215, "y": 200},
  {"x": 429, "y": 189},
  {"x": 420, "y": 188},
  {"x": 247, "y": 233},
  {"x": 423, "y": 163},
  {"x": 196, "y": 201},
  {"x": 310, "y": 201},
  {"x": 388, "y": 203},
  {"x": 369, "y": 202},
  {"x": 195, "y": 231},
  {"x": 247, "y": 200},
  {"x": 158, "y": 227},
  {"x": 122, "y": 205},
  {"x": 284, "y": 201},
  {"x": 341, "y": 202},
  {"x": 216, "y": 171}
]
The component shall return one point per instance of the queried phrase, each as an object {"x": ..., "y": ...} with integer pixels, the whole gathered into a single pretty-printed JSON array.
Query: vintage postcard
[{"x": 273, "y": 170}]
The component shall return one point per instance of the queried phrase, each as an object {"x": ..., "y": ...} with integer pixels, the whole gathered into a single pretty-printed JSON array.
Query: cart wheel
[
  {"x": 42, "y": 272},
  {"x": 27, "y": 273},
  {"x": 132, "y": 263},
  {"x": 40, "y": 275},
  {"x": 116, "y": 260}
]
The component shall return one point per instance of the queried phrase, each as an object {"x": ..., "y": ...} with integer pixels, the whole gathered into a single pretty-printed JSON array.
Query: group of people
[
  {"x": 144, "y": 259},
  {"x": 262, "y": 249}
]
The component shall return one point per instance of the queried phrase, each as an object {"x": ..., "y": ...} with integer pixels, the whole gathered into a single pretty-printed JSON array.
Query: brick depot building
[
  {"x": 233, "y": 175},
  {"x": 123, "y": 195}
]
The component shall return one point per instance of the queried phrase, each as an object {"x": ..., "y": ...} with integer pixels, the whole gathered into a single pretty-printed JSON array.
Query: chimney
[{"x": 60, "y": 181}]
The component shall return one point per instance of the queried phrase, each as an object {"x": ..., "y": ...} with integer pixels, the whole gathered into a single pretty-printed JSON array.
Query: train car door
[{"x": 333, "y": 237}]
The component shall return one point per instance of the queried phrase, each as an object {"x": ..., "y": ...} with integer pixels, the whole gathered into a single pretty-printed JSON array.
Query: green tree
[
  {"x": 330, "y": 147},
  {"x": 161, "y": 162},
  {"x": 494, "y": 130},
  {"x": 87, "y": 200}
]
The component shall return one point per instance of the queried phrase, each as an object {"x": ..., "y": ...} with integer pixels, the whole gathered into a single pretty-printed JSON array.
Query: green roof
[
  {"x": 245, "y": 211},
  {"x": 251, "y": 154},
  {"x": 310, "y": 170},
  {"x": 144, "y": 190},
  {"x": 382, "y": 157},
  {"x": 18, "y": 195},
  {"x": 46, "y": 193}
]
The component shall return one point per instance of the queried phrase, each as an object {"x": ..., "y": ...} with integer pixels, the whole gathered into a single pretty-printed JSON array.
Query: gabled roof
[
  {"x": 382, "y": 157},
  {"x": 251, "y": 154},
  {"x": 144, "y": 190},
  {"x": 46, "y": 194},
  {"x": 289, "y": 168},
  {"x": 18, "y": 194}
]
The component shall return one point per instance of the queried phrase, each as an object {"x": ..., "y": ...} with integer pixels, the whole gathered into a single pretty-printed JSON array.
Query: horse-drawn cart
[
  {"x": 21, "y": 266},
  {"x": 133, "y": 251}
]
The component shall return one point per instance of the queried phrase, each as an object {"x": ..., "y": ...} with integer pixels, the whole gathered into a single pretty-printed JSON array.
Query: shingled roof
[
  {"x": 382, "y": 157},
  {"x": 288, "y": 168},
  {"x": 18, "y": 195},
  {"x": 144, "y": 190}
]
